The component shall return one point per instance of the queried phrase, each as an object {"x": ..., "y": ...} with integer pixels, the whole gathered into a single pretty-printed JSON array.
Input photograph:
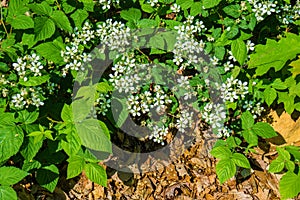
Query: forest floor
[{"x": 190, "y": 176}]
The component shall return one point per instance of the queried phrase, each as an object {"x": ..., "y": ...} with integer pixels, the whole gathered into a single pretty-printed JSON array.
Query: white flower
[{"x": 175, "y": 8}]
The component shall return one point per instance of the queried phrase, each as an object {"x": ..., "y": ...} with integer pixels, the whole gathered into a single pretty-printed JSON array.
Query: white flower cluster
[
  {"x": 215, "y": 115},
  {"x": 233, "y": 89},
  {"x": 186, "y": 46},
  {"x": 263, "y": 8},
  {"x": 183, "y": 84},
  {"x": 158, "y": 133},
  {"x": 185, "y": 120},
  {"x": 126, "y": 76},
  {"x": 114, "y": 35},
  {"x": 73, "y": 55},
  {"x": 106, "y": 4},
  {"x": 28, "y": 96},
  {"x": 254, "y": 107},
  {"x": 142, "y": 103},
  {"x": 28, "y": 65},
  {"x": 102, "y": 104},
  {"x": 175, "y": 8}
]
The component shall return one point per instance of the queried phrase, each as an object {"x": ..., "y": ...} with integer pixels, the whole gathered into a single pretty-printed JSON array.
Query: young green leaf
[
  {"x": 96, "y": 173},
  {"x": 225, "y": 169},
  {"x": 132, "y": 14},
  {"x": 250, "y": 137},
  {"x": 247, "y": 120},
  {"x": 11, "y": 175},
  {"x": 35, "y": 80},
  {"x": 7, "y": 193},
  {"x": 289, "y": 185},
  {"x": 270, "y": 95},
  {"x": 239, "y": 50},
  {"x": 221, "y": 152},
  {"x": 43, "y": 28},
  {"x": 264, "y": 130},
  {"x": 75, "y": 166},
  {"x": 47, "y": 177},
  {"x": 241, "y": 160},
  {"x": 276, "y": 165}
]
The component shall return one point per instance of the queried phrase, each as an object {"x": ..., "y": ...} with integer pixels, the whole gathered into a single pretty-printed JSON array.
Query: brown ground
[{"x": 191, "y": 176}]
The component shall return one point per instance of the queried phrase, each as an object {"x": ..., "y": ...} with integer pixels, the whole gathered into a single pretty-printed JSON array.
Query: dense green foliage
[{"x": 46, "y": 50}]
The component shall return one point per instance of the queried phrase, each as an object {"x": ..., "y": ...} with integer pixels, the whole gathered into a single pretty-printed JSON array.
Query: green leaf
[
  {"x": 283, "y": 153},
  {"x": 241, "y": 160},
  {"x": 75, "y": 166},
  {"x": 185, "y": 4},
  {"x": 35, "y": 80},
  {"x": 119, "y": 111},
  {"x": 30, "y": 165},
  {"x": 132, "y": 14},
  {"x": 210, "y": 3},
  {"x": 11, "y": 139},
  {"x": 147, "y": 8},
  {"x": 51, "y": 52},
  {"x": 79, "y": 16},
  {"x": 7, "y": 193},
  {"x": 72, "y": 143},
  {"x": 247, "y": 120},
  {"x": 239, "y": 50},
  {"x": 31, "y": 148},
  {"x": 296, "y": 67},
  {"x": 96, "y": 173},
  {"x": 290, "y": 165},
  {"x": 28, "y": 39},
  {"x": 276, "y": 165},
  {"x": 287, "y": 100},
  {"x": 61, "y": 20},
  {"x": 67, "y": 113},
  {"x": 41, "y": 8},
  {"x": 270, "y": 95},
  {"x": 289, "y": 185},
  {"x": 250, "y": 137},
  {"x": 268, "y": 56},
  {"x": 93, "y": 135},
  {"x": 233, "y": 10},
  {"x": 225, "y": 169},
  {"x": 219, "y": 52},
  {"x": 234, "y": 30},
  {"x": 4, "y": 67},
  {"x": 278, "y": 84},
  {"x": 221, "y": 152},
  {"x": 43, "y": 28},
  {"x": 196, "y": 8},
  {"x": 264, "y": 130},
  {"x": 11, "y": 175},
  {"x": 27, "y": 117},
  {"x": 47, "y": 177},
  {"x": 22, "y": 22}
]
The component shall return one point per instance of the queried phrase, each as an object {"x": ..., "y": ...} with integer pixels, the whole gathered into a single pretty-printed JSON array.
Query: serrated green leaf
[
  {"x": 219, "y": 52},
  {"x": 267, "y": 56},
  {"x": 225, "y": 169},
  {"x": 287, "y": 100},
  {"x": 67, "y": 113},
  {"x": 27, "y": 117},
  {"x": 43, "y": 28},
  {"x": 4, "y": 67},
  {"x": 241, "y": 160},
  {"x": 61, "y": 20},
  {"x": 247, "y": 120},
  {"x": 7, "y": 193},
  {"x": 35, "y": 80},
  {"x": 221, "y": 152},
  {"x": 283, "y": 153},
  {"x": 196, "y": 8},
  {"x": 31, "y": 148},
  {"x": 289, "y": 185},
  {"x": 233, "y": 10},
  {"x": 51, "y": 52},
  {"x": 75, "y": 166},
  {"x": 270, "y": 95},
  {"x": 96, "y": 173},
  {"x": 295, "y": 67},
  {"x": 264, "y": 130},
  {"x": 72, "y": 143},
  {"x": 119, "y": 111},
  {"x": 234, "y": 31},
  {"x": 48, "y": 177},
  {"x": 11, "y": 139},
  {"x": 250, "y": 137},
  {"x": 278, "y": 84},
  {"x": 210, "y": 3},
  {"x": 185, "y": 4},
  {"x": 239, "y": 50},
  {"x": 22, "y": 22},
  {"x": 290, "y": 165},
  {"x": 41, "y": 8},
  {"x": 276, "y": 165},
  {"x": 30, "y": 165},
  {"x": 79, "y": 16},
  {"x": 93, "y": 135},
  {"x": 11, "y": 175},
  {"x": 132, "y": 14}
]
